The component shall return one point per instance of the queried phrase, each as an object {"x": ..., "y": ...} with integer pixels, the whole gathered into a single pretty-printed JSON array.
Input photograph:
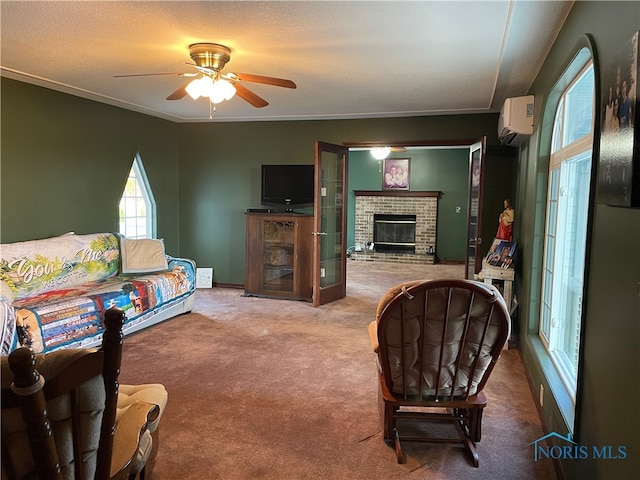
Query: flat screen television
[{"x": 287, "y": 186}]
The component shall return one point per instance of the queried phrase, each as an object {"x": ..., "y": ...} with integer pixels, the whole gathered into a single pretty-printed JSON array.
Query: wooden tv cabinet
[{"x": 279, "y": 255}]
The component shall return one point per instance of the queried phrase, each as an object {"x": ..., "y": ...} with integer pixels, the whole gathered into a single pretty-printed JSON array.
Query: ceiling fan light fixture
[
  {"x": 199, "y": 87},
  {"x": 193, "y": 89},
  {"x": 215, "y": 90},
  {"x": 380, "y": 153},
  {"x": 221, "y": 90}
]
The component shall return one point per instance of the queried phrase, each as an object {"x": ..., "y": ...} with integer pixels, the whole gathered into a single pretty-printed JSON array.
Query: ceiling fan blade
[
  {"x": 155, "y": 75},
  {"x": 180, "y": 92},
  {"x": 248, "y": 96},
  {"x": 278, "y": 82},
  {"x": 206, "y": 70}
]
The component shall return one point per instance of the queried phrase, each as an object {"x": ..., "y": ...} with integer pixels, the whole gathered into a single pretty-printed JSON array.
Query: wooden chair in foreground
[
  {"x": 437, "y": 342},
  {"x": 59, "y": 414}
]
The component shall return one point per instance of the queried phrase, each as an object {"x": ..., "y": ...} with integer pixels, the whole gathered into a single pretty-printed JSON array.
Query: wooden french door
[
  {"x": 330, "y": 224},
  {"x": 473, "y": 261}
]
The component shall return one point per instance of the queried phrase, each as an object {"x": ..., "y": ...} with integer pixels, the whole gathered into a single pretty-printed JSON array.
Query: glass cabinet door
[{"x": 279, "y": 251}]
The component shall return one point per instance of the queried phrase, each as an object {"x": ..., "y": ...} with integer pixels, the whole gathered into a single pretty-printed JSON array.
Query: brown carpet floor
[{"x": 276, "y": 389}]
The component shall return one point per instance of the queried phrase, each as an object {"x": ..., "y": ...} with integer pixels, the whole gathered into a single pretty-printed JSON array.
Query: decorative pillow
[
  {"x": 142, "y": 255},
  {"x": 36, "y": 267}
]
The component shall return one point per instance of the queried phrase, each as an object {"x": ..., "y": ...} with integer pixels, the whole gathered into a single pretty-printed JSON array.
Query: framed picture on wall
[
  {"x": 396, "y": 174},
  {"x": 619, "y": 165}
]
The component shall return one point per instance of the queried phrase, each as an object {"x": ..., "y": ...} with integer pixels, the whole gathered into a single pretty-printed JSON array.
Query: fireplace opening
[{"x": 394, "y": 233}]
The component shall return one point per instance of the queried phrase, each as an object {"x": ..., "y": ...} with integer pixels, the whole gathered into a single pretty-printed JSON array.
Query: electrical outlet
[
  {"x": 323, "y": 273},
  {"x": 541, "y": 395},
  {"x": 458, "y": 209}
]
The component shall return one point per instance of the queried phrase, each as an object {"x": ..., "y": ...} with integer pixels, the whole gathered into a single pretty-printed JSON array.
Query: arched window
[
  {"x": 137, "y": 210},
  {"x": 569, "y": 196}
]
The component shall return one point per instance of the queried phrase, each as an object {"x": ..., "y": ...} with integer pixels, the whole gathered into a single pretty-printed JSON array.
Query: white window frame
[
  {"x": 566, "y": 159},
  {"x": 137, "y": 207}
]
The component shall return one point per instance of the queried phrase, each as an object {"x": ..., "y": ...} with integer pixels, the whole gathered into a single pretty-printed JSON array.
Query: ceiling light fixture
[
  {"x": 216, "y": 90},
  {"x": 380, "y": 153}
]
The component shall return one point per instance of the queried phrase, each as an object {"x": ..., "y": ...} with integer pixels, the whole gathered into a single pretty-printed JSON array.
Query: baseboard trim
[
  {"x": 229, "y": 285},
  {"x": 450, "y": 262}
]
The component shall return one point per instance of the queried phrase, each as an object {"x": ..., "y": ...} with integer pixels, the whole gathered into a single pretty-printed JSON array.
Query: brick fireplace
[{"x": 421, "y": 205}]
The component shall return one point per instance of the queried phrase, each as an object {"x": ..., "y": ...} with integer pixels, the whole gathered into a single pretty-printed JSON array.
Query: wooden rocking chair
[{"x": 437, "y": 342}]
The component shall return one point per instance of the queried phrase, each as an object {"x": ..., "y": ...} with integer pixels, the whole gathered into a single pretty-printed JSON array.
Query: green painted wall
[
  {"x": 609, "y": 367},
  {"x": 65, "y": 161}
]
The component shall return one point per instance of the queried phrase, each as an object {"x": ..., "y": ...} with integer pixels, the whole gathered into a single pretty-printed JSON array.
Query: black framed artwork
[{"x": 619, "y": 163}]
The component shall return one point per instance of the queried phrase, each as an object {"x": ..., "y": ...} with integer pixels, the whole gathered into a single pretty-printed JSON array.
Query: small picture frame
[{"x": 396, "y": 174}]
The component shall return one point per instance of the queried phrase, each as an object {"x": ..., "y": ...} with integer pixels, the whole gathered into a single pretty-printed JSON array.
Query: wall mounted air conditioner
[{"x": 516, "y": 120}]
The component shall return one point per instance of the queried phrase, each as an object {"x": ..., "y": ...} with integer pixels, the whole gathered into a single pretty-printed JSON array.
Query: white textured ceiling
[{"x": 349, "y": 59}]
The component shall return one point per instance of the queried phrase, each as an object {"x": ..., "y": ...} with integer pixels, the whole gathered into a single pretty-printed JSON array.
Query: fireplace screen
[{"x": 394, "y": 233}]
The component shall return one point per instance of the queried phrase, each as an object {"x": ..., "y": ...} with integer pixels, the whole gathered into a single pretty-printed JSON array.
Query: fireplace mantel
[{"x": 397, "y": 193}]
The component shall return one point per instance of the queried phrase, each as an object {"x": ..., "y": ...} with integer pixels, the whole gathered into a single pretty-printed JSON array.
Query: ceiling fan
[{"x": 209, "y": 59}]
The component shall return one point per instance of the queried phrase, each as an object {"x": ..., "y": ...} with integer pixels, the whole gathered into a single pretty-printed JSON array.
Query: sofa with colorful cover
[{"x": 53, "y": 291}]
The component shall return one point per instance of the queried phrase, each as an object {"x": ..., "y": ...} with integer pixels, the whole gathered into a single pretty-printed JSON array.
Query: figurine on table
[{"x": 505, "y": 222}]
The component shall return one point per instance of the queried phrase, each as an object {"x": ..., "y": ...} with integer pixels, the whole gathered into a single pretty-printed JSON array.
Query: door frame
[
  {"x": 464, "y": 142},
  {"x": 474, "y": 235}
]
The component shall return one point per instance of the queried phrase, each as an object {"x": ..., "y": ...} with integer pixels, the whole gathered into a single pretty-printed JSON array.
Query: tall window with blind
[{"x": 568, "y": 195}]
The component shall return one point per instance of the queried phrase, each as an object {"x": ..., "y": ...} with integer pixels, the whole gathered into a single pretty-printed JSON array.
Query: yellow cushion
[{"x": 151, "y": 393}]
